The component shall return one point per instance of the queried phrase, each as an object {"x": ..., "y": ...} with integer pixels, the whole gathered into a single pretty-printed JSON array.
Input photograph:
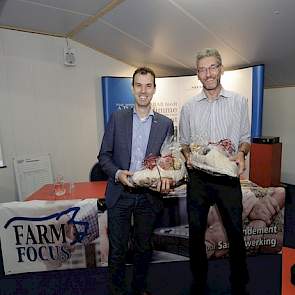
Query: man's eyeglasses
[{"x": 211, "y": 69}]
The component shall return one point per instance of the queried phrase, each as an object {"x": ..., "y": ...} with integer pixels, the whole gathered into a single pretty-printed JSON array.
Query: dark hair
[{"x": 144, "y": 71}]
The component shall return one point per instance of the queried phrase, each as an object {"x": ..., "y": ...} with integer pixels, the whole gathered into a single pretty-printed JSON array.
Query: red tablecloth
[{"x": 81, "y": 190}]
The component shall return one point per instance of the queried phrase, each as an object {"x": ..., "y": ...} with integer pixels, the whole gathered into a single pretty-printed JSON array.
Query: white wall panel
[
  {"x": 46, "y": 107},
  {"x": 278, "y": 120}
]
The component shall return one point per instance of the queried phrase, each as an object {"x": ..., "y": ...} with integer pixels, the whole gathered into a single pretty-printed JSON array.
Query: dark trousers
[
  {"x": 119, "y": 226},
  {"x": 205, "y": 190}
]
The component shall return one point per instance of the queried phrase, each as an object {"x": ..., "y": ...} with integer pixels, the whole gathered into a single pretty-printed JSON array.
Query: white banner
[
  {"x": 263, "y": 224},
  {"x": 55, "y": 235},
  {"x": 50, "y": 235}
]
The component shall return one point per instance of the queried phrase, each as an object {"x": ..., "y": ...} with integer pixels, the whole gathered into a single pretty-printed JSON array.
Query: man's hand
[
  {"x": 240, "y": 160},
  {"x": 265, "y": 209},
  {"x": 165, "y": 185},
  {"x": 189, "y": 164},
  {"x": 249, "y": 200},
  {"x": 186, "y": 151},
  {"x": 123, "y": 177}
]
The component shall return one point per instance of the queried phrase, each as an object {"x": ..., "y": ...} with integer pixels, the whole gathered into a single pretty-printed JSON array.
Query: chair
[{"x": 96, "y": 173}]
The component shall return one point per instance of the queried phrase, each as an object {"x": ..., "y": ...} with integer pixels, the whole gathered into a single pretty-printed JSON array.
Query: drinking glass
[
  {"x": 59, "y": 186},
  {"x": 71, "y": 187}
]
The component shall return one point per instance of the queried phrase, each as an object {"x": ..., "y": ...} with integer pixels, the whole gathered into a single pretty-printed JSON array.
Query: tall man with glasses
[
  {"x": 130, "y": 136},
  {"x": 213, "y": 115}
]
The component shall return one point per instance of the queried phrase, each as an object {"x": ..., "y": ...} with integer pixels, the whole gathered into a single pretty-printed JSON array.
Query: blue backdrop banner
[
  {"x": 117, "y": 94},
  {"x": 257, "y": 100}
]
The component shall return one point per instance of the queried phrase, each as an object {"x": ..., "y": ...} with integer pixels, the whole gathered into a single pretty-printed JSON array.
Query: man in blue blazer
[{"x": 130, "y": 136}]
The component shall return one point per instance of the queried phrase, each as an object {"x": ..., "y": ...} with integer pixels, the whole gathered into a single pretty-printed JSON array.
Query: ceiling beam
[
  {"x": 92, "y": 19},
  {"x": 32, "y": 31}
]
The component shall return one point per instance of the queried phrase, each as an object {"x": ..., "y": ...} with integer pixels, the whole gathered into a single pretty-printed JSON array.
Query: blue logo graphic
[{"x": 74, "y": 210}]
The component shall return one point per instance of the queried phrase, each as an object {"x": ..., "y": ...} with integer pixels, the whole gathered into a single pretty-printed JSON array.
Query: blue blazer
[{"x": 115, "y": 152}]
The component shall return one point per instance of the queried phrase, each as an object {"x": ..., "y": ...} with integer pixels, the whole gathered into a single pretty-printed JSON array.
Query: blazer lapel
[
  {"x": 153, "y": 134},
  {"x": 129, "y": 130}
]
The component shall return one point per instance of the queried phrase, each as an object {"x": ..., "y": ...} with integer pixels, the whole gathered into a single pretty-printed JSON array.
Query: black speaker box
[{"x": 266, "y": 139}]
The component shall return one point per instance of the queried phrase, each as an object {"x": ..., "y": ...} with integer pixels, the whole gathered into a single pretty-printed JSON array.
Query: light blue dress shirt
[
  {"x": 140, "y": 136},
  {"x": 141, "y": 128}
]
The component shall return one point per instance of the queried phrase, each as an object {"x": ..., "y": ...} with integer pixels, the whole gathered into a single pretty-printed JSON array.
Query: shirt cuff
[{"x": 117, "y": 175}]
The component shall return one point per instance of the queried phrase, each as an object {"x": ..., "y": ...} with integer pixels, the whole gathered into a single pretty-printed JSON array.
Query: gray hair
[{"x": 208, "y": 52}]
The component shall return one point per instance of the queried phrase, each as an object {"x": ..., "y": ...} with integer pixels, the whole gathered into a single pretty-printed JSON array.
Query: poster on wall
[
  {"x": 1, "y": 157},
  {"x": 117, "y": 95},
  {"x": 171, "y": 92}
]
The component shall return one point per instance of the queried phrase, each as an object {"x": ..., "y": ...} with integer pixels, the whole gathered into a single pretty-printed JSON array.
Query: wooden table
[{"x": 82, "y": 190}]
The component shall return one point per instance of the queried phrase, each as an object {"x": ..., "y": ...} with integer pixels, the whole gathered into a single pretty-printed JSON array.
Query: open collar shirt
[
  {"x": 140, "y": 135},
  {"x": 203, "y": 121}
]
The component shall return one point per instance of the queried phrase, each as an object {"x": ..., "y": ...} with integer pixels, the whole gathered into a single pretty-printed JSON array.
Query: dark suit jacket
[{"x": 115, "y": 152}]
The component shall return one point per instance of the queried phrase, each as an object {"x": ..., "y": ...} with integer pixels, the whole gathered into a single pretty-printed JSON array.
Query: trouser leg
[
  {"x": 198, "y": 208},
  {"x": 230, "y": 206},
  {"x": 144, "y": 221},
  {"x": 119, "y": 218}
]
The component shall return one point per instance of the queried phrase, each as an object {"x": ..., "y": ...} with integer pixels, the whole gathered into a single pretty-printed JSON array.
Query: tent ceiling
[{"x": 166, "y": 34}]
